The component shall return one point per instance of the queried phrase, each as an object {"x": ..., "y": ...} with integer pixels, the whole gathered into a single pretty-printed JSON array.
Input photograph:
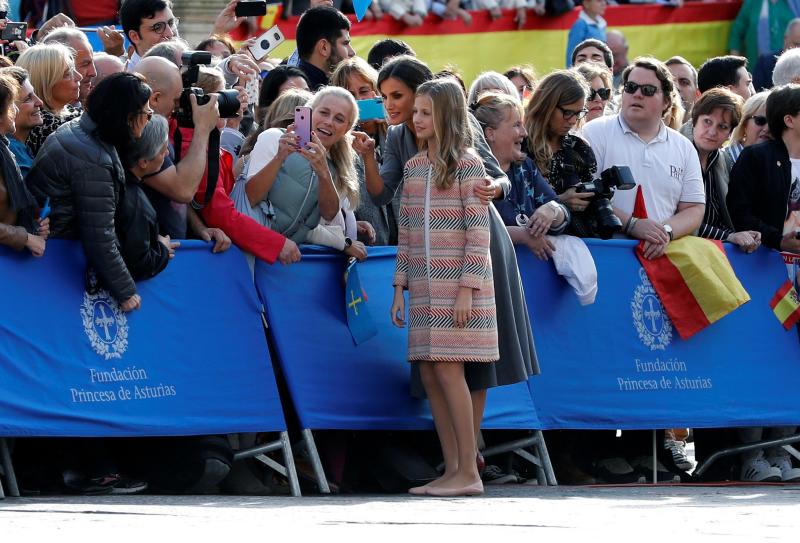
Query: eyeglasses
[
  {"x": 570, "y": 113},
  {"x": 161, "y": 27},
  {"x": 603, "y": 93},
  {"x": 647, "y": 90},
  {"x": 760, "y": 120}
]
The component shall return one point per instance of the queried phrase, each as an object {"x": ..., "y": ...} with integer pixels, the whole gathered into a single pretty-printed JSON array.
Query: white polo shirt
[{"x": 667, "y": 167}]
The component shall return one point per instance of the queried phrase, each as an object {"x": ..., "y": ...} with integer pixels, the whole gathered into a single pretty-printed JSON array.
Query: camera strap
[{"x": 212, "y": 173}]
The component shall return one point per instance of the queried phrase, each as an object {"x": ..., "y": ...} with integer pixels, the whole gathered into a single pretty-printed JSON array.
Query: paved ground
[{"x": 639, "y": 514}]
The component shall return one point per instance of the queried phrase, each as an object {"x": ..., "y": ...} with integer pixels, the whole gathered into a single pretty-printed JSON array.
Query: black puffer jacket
[{"x": 83, "y": 178}]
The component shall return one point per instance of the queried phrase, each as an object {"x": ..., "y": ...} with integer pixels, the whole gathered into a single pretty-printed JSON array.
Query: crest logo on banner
[
  {"x": 105, "y": 324},
  {"x": 651, "y": 321}
]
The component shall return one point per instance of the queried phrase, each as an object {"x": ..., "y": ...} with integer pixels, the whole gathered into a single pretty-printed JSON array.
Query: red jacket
[{"x": 220, "y": 212}]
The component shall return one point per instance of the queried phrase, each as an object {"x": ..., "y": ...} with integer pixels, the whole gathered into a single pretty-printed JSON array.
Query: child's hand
[
  {"x": 463, "y": 309},
  {"x": 43, "y": 229},
  {"x": 398, "y": 310}
]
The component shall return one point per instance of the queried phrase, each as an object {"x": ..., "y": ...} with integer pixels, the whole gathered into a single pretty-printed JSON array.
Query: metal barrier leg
[
  {"x": 544, "y": 456},
  {"x": 288, "y": 457},
  {"x": 316, "y": 463},
  {"x": 8, "y": 468}
]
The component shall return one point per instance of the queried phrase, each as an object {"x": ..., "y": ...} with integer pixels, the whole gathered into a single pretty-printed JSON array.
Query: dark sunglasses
[
  {"x": 570, "y": 113},
  {"x": 603, "y": 93},
  {"x": 760, "y": 120},
  {"x": 647, "y": 90}
]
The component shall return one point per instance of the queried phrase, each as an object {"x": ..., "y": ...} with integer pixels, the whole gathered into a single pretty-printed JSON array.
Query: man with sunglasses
[
  {"x": 662, "y": 161},
  {"x": 146, "y": 23}
]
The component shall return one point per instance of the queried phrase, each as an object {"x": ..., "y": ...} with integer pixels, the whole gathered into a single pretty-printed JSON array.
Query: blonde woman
[
  {"x": 57, "y": 83},
  {"x": 601, "y": 88},
  {"x": 325, "y": 169},
  {"x": 752, "y": 129},
  {"x": 446, "y": 268},
  {"x": 673, "y": 117}
]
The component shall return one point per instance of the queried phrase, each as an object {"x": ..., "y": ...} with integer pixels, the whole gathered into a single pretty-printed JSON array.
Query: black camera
[
  {"x": 615, "y": 177},
  {"x": 227, "y": 100}
]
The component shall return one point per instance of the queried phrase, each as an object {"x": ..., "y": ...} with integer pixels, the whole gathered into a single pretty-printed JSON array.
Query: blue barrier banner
[
  {"x": 192, "y": 360},
  {"x": 336, "y": 385},
  {"x": 619, "y": 363}
]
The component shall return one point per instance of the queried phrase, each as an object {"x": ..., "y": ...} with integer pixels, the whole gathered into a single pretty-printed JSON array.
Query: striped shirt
[{"x": 713, "y": 226}]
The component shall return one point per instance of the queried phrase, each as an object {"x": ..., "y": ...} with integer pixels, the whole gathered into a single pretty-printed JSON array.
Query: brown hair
[
  {"x": 8, "y": 92},
  {"x": 718, "y": 98},
  {"x": 662, "y": 73}
]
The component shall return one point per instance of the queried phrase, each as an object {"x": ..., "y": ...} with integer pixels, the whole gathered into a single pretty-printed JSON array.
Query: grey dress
[{"x": 517, "y": 351}]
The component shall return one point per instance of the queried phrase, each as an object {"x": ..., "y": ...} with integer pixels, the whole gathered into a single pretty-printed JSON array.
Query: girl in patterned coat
[{"x": 443, "y": 261}]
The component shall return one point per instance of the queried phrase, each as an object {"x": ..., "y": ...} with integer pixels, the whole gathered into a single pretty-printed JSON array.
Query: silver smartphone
[{"x": 266, "y": 42}]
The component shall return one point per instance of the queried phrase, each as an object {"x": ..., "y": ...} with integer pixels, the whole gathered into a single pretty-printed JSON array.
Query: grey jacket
[
  {"x": 722, "y": 170},
  {"x": 83, "y": 177},
  {"x": 401, "y": 145}
]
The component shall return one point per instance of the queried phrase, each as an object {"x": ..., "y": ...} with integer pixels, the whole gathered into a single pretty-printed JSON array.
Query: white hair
[
  {"x": 787, "y": 69},
  {"x": 490, "y": 81}
]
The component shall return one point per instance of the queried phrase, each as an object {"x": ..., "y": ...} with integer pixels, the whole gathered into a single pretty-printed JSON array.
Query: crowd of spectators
[{"x": 128, "y": 162}]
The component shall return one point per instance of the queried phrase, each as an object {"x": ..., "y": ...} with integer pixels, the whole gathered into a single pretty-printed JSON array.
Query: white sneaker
[
  {"x": 784, "y": 464},
  {"x": 756, "y": 469}
]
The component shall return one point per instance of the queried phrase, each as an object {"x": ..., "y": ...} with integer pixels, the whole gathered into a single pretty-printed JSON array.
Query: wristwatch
[
  {"x": 348, "y": 243},
  {"x": 668, "y": 230}
]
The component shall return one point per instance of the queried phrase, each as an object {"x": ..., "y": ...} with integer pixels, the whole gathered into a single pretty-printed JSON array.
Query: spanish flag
[
  {"x": 694, "y": 280},
  {"x": 786, "y": 305}
]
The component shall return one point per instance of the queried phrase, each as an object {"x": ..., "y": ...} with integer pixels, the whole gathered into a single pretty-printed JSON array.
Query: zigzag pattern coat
[{"x": 444, "y": 245}]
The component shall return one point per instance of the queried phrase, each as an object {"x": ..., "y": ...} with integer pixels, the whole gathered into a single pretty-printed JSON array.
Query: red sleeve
[{"x": 246, "y": 233}]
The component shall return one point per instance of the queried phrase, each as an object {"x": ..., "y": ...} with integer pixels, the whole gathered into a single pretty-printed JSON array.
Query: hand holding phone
[
  {"x": 302, "y": 125},
  {"x": 267, "y": 42},
  {"x": 251, "y": 9}
]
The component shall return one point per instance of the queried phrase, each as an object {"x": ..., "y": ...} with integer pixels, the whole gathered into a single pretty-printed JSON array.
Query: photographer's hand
[
  {"x": 227, "y": 19},
  {"x": 205, "y": 117},
  {"x": 576, "y": 201},
  {"x": 113, "y": 41},
  {"x": 242, "y": 66}
]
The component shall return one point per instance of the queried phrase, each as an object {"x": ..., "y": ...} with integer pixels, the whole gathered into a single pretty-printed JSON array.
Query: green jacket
[{"x": 744, "y": 32}]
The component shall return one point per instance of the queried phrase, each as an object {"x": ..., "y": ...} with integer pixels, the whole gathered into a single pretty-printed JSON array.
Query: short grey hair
[
  {"x": 154, "y": 136},
  {"x": 65, "y": 36},
  {"x": 170, "y": 50},
  {"x": 787, "y": 69},
  {"x": 491, "y": 81}
]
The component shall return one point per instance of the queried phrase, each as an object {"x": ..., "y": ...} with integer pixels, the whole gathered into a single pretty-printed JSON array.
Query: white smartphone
[{"x": 266, "y": 42}]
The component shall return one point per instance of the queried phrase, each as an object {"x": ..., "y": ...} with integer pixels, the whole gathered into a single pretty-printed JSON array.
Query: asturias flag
[
  {"x": 694, "y": 280},
  {"x": 786, "y": 305},
  {"x": 359, "y": 318}
]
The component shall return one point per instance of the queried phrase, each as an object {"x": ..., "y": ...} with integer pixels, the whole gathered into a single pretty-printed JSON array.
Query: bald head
[
  {"x": 106, "y": 65},
  {"x": 619, "y": 46},
  {"x": 165, "y": 80}
]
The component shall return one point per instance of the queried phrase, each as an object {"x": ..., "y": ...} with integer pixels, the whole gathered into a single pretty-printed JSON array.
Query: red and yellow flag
[
  {"x": 694, "y": 280},
  {"x": 786, "y": 305}
]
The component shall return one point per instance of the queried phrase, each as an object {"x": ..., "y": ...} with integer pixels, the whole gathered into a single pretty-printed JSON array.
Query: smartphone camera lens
[{"x": 264, "y": 44}]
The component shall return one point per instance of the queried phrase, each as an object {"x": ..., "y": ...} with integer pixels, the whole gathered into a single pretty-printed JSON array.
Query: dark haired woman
[{"x": 79, "y": 169}]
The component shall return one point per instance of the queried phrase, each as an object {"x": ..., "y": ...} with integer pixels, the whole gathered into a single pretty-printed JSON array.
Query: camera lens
[
  {"x": 276, "y": 37},
  {"x": 228, "y": 102},
  {"x": 265, "y": 44}
]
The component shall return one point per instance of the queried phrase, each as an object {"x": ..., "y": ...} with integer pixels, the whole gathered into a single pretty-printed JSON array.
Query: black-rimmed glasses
[
  {"x": 161, "y": 27},
  {"x": 570, "y": 113}
]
